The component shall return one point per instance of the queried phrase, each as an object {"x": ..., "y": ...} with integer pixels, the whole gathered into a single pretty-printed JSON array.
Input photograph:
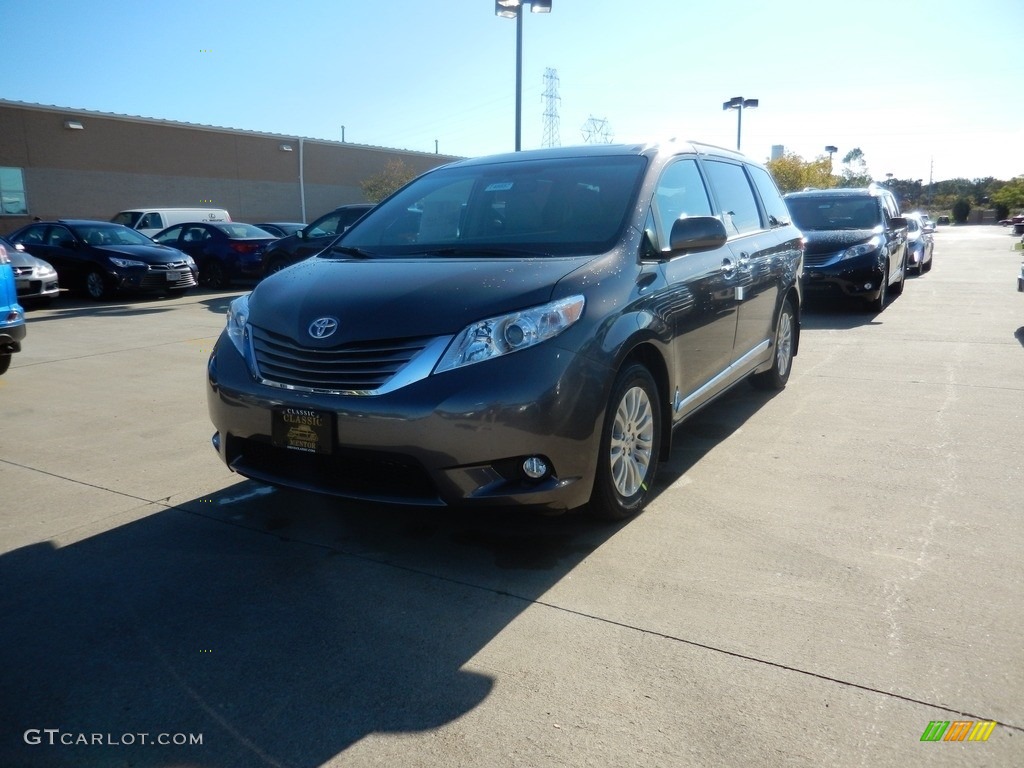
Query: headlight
[
  {"x": 125, "y": 263},
  {"x": 43, "y": 272},
  {"x": 863, "y": 249},
  {"x": 498, "y": 336},
  {"x": 238, "y": 318}
]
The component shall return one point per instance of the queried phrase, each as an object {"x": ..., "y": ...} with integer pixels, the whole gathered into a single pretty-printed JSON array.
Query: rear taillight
[{"x": 244, "y": 247}]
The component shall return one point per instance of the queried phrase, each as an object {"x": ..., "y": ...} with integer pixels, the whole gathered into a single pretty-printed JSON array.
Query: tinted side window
[
  {"x": 774, "y": 206},
  {"x": 169, "y": 236},
  {"x": 680, "y": 192},
  {"x": 732, "y": 188},
  {"x": 151, "y": 221}
]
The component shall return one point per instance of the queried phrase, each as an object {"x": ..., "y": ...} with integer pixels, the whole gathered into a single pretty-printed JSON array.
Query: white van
[{"x": 149, "y": 221}]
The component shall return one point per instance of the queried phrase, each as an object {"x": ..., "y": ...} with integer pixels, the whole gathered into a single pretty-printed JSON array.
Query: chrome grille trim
[{"x": 362, "y": 369}]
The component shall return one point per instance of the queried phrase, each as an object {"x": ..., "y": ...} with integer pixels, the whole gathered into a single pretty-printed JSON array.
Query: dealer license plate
[
  {"x": 301, "y": 429},
  {"x": 173, "y": 277}
]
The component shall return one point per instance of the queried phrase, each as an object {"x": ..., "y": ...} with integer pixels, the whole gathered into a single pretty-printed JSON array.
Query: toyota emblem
[{"x": 323, "y": 327}]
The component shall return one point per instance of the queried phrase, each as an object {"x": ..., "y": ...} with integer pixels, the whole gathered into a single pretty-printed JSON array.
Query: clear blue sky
[{"x": 910, "y": 82}]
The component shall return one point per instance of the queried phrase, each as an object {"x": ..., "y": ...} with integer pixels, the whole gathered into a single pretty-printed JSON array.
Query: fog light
[
  {"x": 535, "y": 468},
  {"x": 868, "y": 286}
]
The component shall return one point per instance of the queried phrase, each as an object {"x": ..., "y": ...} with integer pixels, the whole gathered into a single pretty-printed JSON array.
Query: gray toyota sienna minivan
[{"x": 524, "y": 329}]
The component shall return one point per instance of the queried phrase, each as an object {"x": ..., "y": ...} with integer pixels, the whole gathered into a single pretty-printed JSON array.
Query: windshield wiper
[
  {"x": 483, "y": 250},
  {"x": 347, "y": 250}
]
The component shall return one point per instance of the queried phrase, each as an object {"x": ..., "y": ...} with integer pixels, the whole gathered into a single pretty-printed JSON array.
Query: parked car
[
  {"x": 12, "y": 316},
  {"x": 149, "y": 221},
  {"x": 856, "y": 242},
  {"x": 926, "y": 221},
  {"x": 942, "y": 220},
  {"x": 101, "y": 258},
  {"x": 524, "y": 329},
  {"x": 920, "y": 244},
  {"x": 313, "y": 238},
  {"x": 222, "y": 251},
  {"x": 281, "y": 228},
  {"x": 35, "y": 280}
]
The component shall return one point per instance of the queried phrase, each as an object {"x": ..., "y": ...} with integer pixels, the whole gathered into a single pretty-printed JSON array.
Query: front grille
[
  {"x": 819, "y": 259},
  {"x": 371, "y": 475},
  {"x": 19, "y": 271},
  {"x": 359, "y": 367},
  {"x": 156, "y": 276}
]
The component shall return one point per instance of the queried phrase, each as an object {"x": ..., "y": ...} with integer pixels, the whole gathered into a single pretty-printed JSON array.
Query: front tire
[
  {"x": 97, "y": 287},
  {"x": 883, "y": 292},
  {"x": 5, "y": 362},
  {"x": 785, "y": 345},
  {"x": 629, "y": 448}
]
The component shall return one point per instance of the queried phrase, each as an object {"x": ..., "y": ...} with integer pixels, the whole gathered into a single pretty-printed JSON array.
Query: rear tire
[
  {"x": 5, "y": 362},
  {"x": 630, "y": 443},
  {"x": 213, "y": 275},
  {"x": 274, "y": 265},
  {"x": 785, "y": 344}
]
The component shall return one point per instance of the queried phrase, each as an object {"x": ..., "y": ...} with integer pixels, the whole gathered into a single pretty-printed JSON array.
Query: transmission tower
[
  {"x": 596, "y": 131},
  {"x": 551, "y": 100}
]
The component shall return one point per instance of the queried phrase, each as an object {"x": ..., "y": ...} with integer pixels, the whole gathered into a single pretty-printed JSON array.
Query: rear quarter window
[
  {"x": 774, "y": 206},
  {"x": 735, "y": 196}
]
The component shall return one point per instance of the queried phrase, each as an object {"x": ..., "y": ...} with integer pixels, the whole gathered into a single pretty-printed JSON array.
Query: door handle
[{"x": 728, "y": 268}]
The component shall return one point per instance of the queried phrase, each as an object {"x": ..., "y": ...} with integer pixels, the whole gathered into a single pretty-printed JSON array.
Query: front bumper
[
  {"x": 155, "y": 277},
  {"x": 860, "y": 277},
  {"x": 457, "y": 438},
  {"x": 12, "y": 330}
]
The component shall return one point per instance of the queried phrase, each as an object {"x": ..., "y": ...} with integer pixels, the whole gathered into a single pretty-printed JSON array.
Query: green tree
[
  {"x": 395, "y": 174},
  {"x": 1010, "y": 195},
  {"x": 961, "y": 210},
  {"x": 792, "y": 173},
  {"x": 855, "y": 170}
]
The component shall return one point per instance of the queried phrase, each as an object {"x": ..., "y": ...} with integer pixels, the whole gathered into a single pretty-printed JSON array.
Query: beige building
[{"x": 72, "y": 163}]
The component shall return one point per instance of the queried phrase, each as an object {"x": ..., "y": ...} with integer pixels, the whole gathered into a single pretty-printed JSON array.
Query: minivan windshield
[
  {"x": 559, "y": 207},
  {"x": 824, "y": 213}
]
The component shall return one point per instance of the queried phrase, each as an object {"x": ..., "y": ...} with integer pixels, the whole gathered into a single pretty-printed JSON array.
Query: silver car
[{"x": 35, "y": 280}]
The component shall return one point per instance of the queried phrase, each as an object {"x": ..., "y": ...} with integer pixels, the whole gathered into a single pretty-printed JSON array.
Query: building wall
[{"x": 116, "y": 162}]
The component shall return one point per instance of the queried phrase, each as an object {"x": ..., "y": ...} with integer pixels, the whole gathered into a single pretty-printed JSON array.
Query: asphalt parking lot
[{"x": 823, "y": 573}]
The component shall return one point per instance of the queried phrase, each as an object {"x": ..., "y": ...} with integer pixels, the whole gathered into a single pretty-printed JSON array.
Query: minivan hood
[
  {"x": 150, "y": 254},
  {"x": 400, "y": 298},
  {"x": 828, "y": 240}
]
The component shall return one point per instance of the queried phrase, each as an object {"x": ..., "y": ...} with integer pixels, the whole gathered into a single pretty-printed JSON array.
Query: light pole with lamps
[
  {"x": 738, "y": 103},
  {"x": 831, "y": 151},
  {"x": 513, "y": 9}
]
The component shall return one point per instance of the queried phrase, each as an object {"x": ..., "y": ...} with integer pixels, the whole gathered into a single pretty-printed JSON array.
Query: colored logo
[
  {"x": 324, "y": 327},
  {"x": 958, "y": 730}
]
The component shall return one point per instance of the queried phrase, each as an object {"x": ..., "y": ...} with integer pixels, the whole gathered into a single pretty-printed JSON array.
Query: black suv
[
  {"x": 312, "y": 238},
  {"x": 855, "y": 242},
  {"x": 525, "y": 329}
]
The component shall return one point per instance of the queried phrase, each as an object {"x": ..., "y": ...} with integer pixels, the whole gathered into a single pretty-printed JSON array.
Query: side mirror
[
  {"x": 898, "y": 222},
  {"x": 697, "y": 233}
]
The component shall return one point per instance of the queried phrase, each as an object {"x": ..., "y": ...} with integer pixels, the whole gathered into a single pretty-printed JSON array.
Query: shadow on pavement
[
  {"x": 280, "y": 626},
  {"x": 821, "y": 313}
]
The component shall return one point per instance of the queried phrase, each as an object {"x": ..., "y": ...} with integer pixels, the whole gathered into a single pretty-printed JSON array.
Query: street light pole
[
  {"x": 831, "y": 151},
  {"x": 508, "y": 9},
  {"x": 738, "y": 103}
]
